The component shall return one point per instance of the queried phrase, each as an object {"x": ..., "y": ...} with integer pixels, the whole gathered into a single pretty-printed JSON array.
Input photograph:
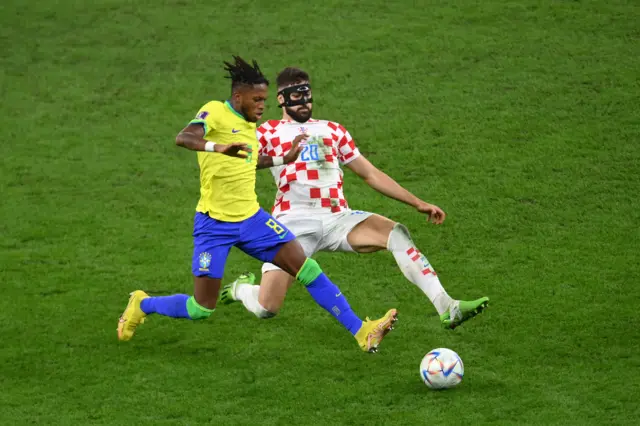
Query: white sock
[
  {"x": 415, "y": 266},
  {"x": 248, "y": 295}
]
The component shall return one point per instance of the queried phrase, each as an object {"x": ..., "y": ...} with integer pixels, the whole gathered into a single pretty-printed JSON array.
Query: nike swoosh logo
[
  {"x": 283, "y": 235},
  {"x": 338, "y": 295},
  {"x": 234, "y": 131}
]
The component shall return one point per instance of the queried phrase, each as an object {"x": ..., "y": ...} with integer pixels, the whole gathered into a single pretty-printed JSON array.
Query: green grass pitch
[{"x": 521, "y": 119}]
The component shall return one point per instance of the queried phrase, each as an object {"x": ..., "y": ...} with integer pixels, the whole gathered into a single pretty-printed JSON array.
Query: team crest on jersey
[
  {"x": 302, "y": 129},
  {"x": 202, "y": 115},
  {"x": 205, "y": 261}
]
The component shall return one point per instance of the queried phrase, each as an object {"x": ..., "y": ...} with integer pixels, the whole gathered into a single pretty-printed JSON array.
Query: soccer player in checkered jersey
[
  {"x": 223, "y": 134},
  {"x": 311, "y": 203}
]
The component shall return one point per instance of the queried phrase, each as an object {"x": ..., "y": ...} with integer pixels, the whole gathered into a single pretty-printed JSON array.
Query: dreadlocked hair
[
  {"x": 242, "y": 73},
  {"x": 290, "y": 76}
]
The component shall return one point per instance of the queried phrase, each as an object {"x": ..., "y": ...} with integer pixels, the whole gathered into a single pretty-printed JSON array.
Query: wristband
[
  {"x": 278, "y": 161},
  {"x": 209, "y": 146}
]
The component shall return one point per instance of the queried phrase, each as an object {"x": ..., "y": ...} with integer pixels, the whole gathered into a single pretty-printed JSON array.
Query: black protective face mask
[{"x": 303, "y": 89}]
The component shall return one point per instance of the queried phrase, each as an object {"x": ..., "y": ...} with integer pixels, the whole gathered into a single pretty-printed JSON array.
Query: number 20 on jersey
[{"x": 309, "y": 153}]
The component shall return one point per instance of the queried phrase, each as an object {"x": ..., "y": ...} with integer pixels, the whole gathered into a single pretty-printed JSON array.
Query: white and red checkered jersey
[{"x": 314, "y": 180}]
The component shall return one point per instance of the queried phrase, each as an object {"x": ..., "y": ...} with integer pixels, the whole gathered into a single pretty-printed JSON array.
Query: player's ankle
[
  {"x": 242, "y": 291},
  {"x": 443, "y": 303}
]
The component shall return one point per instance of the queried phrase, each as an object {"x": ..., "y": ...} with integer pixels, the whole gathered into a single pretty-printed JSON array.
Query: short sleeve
[
  {"x": 205, "y": 117},
  {"x": 347, "y": 149},
  {"x": 263, "y": 138}
]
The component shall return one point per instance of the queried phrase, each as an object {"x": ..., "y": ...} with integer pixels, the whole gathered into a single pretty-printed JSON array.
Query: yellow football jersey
[{"x": 227, "y": 184}]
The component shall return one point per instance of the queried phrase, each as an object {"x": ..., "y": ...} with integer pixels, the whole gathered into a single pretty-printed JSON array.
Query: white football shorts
[{"x": 321, "y": 231}]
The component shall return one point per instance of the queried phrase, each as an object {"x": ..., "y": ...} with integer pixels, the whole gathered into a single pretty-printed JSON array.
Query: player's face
[
  {"x": 300, "y": 113},
  {"x": 253, "y": 101}
]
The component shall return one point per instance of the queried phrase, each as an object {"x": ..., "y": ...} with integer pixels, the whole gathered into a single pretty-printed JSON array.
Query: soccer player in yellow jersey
[{"x": 228, "y": 214}]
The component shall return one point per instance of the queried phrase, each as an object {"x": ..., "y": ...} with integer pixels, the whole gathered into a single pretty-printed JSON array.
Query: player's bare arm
[
  {"x": 265, "y": 161},
  {"x": 385, "y": 185},
  {"x": 192, "y": 138}
]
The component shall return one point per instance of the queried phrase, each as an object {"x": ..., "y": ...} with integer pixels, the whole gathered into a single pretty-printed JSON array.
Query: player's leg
[
  {"x": 266, "y": 299},
  {"x": 291, "y": 258},
  {"x": 365, "y": 232},
  {"x": 288, "y": 254},
  {"x": 273, "y": 242},
  {"x": 200, "y": 305},
  {"x": 368, "y": 333},
  {"x": 273, "y": 289},
  {"x": 263, "y": 300},
  {"x": 275, "y": 282},
  {"x": 212, "y": 242},
  {"x": 378, "y": 233}
]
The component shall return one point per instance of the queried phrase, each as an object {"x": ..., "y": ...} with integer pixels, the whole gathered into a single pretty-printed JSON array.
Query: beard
[{"x": 300, "y": 117}]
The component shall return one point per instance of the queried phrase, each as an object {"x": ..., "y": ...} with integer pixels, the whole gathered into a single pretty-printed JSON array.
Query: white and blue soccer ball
[{"x": 441, "y": 368}]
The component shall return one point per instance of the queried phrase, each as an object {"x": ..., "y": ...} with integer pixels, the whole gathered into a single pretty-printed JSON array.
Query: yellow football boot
[
  {"x": 373, "y": 331},
  {"x": 132, "y": 316}
]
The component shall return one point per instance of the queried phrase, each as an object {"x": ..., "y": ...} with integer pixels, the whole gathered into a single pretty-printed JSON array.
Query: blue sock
[
  {"x": 174, "y": 306},
  {"x": 329, "y": 296}
]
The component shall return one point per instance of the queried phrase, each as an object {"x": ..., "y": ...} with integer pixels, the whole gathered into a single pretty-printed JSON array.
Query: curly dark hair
[{"x": 241, "y": 73}]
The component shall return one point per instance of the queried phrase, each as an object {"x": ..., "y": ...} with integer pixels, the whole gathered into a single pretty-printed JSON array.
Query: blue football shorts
[{"x": 260, "y": 236}]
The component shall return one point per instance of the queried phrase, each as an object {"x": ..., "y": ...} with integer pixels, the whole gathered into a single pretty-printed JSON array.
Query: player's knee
[
  {"x": 197, "y": 311},
  {"x": 400, "y": 229},
  {"x": 263, "y": 313},
  {"x": 399, "y": 237}
]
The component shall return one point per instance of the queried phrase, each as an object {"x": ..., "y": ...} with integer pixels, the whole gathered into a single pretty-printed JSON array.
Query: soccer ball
[{"x": 441, "y": 369}]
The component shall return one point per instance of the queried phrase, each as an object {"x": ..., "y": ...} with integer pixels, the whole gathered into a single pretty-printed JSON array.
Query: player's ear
[
  {"x": 236, "y": 95},
  {"x": 280, "y": 99}
]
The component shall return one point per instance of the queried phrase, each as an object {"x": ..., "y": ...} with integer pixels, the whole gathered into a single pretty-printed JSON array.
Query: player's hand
[
  {"x": 296, "y": 149},
  {"x": 238, "y": 149},
  {"x": 434, "y": 213}
]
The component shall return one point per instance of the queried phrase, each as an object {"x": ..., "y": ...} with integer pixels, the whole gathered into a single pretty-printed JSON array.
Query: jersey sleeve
[
  {"x": 206, "y": 117},
  {"x": 347, "y": 149},
  {"x": 262, "y": 135}
]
